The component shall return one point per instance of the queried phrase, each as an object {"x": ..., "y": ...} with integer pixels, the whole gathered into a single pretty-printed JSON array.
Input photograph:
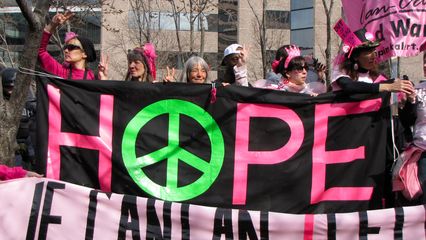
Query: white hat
[{"x": 231, "y": 49}]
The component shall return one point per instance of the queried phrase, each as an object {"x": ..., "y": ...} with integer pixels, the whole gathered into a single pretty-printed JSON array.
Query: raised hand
[
  {"x": 170, "y": 76},
  {"x": 60, "y": 18},
  {"x": 243, "y": 56},
  {"x": 57, "y": 20},
  {"x": 103, "y": 67},
  {"x": 320, "y": 68}
]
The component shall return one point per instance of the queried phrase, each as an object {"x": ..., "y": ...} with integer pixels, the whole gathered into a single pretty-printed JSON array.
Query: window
[
  {"x": 302, "y": 19},
  {"x": 166, "y": 21},
  {"x": 301, "y": 4},
  {"x": 302, "y": 25},
  {"x": 304, "y": 38},
  {"x": 277, "y": 19},
  {"x": 208, "y": 21},
  {"x": 13, "y": 26}
]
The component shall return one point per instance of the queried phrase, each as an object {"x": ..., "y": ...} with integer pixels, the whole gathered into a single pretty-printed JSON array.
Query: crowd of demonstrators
[
  {"x": 141, "y": 64},
  {"x": 78, "y": 52},
  {"x": 354, "y": 72}
]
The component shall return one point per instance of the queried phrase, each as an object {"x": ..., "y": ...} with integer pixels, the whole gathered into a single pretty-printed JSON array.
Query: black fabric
[
  {"x": 408, "y": 116},
  {"x": 350, "y": 86},
  {"x": 282, "y": 187},
  {"x": 361, "y": 34}
]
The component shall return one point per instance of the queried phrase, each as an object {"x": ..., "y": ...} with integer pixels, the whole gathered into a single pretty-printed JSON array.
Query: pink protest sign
[
  {"x": 399, "y": 25},
  {"x": 346, "y": 34}
]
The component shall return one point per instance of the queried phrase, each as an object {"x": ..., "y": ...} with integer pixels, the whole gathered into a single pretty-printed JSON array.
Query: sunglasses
[
  {"x": 71, "y": 47},
  {"x": 300, "y": 68}
]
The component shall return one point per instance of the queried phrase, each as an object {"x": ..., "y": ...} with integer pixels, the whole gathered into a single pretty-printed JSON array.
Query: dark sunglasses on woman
[
  {"x": 300, "y": 68},
  {"x": 71, "y": 47}
]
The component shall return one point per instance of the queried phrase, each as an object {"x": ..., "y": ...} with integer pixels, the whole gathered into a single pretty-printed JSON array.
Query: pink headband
[{"x": 292, "y": 51}]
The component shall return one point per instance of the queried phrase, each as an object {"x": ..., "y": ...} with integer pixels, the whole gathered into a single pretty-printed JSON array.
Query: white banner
[{"x": 34, "y": 208}]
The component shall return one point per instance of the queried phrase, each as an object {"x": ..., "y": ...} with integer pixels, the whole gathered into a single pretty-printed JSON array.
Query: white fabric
[
  {"x": 310, "y": 88},
  {"x": 241, "y": 76},
  {"x": 362, "y": 77}
]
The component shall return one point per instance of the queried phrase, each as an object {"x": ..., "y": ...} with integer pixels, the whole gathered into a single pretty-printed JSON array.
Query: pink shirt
[
  {"x": 50, "y": 65},
  {"x": 7, "y": 173}
]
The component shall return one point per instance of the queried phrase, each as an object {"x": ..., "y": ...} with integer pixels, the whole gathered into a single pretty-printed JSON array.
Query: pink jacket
[
  {"x": 405, "y": 173},
  {"x": 7, "y": 173},
  {"x": 50, "y": 65}
]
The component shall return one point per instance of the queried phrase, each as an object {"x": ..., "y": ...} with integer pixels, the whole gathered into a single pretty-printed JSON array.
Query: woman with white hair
[{"x": 195, "y": 70}]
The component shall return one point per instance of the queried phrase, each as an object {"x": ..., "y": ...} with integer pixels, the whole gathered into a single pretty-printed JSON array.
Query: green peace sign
[{"x": 173, "y": 152}]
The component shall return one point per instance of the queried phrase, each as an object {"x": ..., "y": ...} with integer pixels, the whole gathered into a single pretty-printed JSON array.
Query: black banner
[{"x": 250, "y": 148}]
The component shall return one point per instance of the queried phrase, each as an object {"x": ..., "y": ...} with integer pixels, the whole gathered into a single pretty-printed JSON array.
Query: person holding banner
[
  {"x": 357, "y": 69},
  {"x": 141, "y": 64},
  {"x": 294, "y": 70},
  {"x": 78, "y": 51},
  {"x": 235, "y": 63},
  {"x": 7, "y": 173},
  {"x": 195, "y": 70}
]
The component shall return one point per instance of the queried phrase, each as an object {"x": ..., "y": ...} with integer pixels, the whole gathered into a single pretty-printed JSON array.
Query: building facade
[
  {"x": 179, "y": 29},
  {"x": 223, "y": 22}
]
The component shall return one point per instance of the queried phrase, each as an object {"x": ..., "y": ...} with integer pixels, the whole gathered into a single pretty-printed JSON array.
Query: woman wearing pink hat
[
  {"x": 141, "y": 64},
  {"x": 356, "y": 70},
  {"x": 293, "y": 69}
]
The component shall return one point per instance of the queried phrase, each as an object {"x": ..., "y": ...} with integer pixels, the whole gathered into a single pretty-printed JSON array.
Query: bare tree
[
  {"x": 260, "y": 26},
  {"x": 10, "y": 111},
  {"x": 142, "y": 11},
  {"x": 266, "y": 40},
  {"x": 194, "y": 11},
  {"x": 328, "y": 9},
  {"x": 7, "y": 59},
  {"x": 143, "y": 26}
]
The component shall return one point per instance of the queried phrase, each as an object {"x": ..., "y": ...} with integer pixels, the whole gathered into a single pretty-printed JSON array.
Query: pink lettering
[
  {"x": 244, "y": 157},
  {"x": 309, "y": 227},
  {"x": 102, "y": 143},
  {"x": 321, "y": 157}
]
